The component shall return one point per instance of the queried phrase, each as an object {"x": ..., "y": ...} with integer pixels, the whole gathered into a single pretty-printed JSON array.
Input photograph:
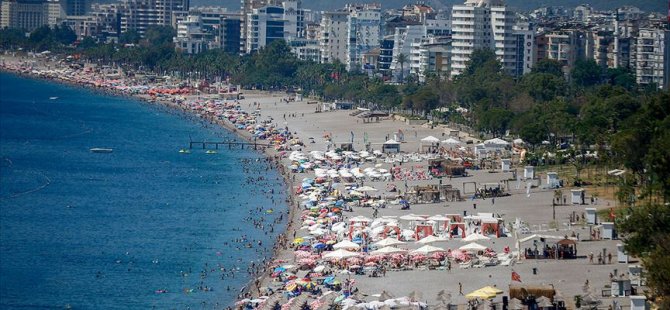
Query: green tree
[
  {"x": 130, "y": 37},
  {"x": 646, "y": 232},
  {"x": 586, "y": 73},
  {"x": 158, "y": 35},
  {"x": 548, "y": 66},
  {"x": 544, "y": 86},
  {"x": 10, "y": 37}
]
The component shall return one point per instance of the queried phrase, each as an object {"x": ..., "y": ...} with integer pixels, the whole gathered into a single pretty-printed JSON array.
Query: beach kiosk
[
  {"x": 609, "y": 232},
  {"x": 505, "y": 164},
  {"x": 621, "y": 255},
  {"x": 552, "y": 180},
  {"x": 578, "y": 196},
  {"x": 621, "y": 286},
  {"x": 529, "y": 172},
  {"x": 391, "y": 146},
  {"x": 591, "y": 216}
]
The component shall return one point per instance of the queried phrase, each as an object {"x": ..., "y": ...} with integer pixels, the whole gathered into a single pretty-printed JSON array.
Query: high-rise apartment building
[
  {"x": 334, "y": 36},
  {"x": 483, "y": 24},
  {"x": 364, "y": 32},
  {"x": 141, "y": 14},
  {"x": 651, "y": 57},
  {"x": 29, "y": 14},
  {"x": 269, "y": 23}
]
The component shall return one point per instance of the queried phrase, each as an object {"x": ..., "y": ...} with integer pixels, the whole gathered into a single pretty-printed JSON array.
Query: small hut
[{"x": 391, "y": 146}]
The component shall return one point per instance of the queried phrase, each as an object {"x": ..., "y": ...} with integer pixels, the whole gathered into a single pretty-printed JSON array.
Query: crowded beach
[{"x": 388, "y": 214}]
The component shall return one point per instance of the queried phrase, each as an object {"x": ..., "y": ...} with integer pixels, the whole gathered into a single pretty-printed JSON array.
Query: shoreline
[
  {"x": 338, "y": 126},
  {"x": 253, "y": 285}
]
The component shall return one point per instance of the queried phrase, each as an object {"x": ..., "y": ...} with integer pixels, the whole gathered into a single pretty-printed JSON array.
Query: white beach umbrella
[
  {"x": 340, "y": 254},
  {"x": 474, "y": 237},
  {"x": 427, "y": 249},
  {"x": 430, "y": 139},
  {"x": 387, "y": 250},
  {"x": 451, "y": 141},
  {"x": 366, "y": 189},
  {"x": 430, "y": 239},
  {"x": 346, "y": 244},
  {"x": 388, "y": 242},
  {"x": 473, "y": 247}
]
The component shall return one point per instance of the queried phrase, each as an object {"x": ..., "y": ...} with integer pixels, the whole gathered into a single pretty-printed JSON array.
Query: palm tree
[{"x": 402, "y": 59}]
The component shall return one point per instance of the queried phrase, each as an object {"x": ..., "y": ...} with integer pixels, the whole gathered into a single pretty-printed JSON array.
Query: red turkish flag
[{"x": 516, "y": 276}]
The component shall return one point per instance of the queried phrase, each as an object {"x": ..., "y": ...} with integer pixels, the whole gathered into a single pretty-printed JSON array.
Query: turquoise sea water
[{"x": 106, "y": 231}]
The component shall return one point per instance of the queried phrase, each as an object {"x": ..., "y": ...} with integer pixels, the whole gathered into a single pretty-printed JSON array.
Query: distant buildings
[{"x": 415, "y": 41}]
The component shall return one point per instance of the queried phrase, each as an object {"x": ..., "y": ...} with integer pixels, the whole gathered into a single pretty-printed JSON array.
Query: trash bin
[
  {"x": 534, "y": 270},
  {"x": 465, "y": 212}
]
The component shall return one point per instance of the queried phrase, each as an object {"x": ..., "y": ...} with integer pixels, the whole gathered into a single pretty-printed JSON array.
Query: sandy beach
[{"x": 311, "y": 127}]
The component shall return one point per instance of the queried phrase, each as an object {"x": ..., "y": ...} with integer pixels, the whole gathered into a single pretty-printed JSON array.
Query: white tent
[
  {"x": 430, "y": 239},
  {"x": 391, "y": 142},
  {"x": 474, "y": 237},
  {"x": 473, "y": 247},
  {"x": 412, "y": 217},
  {"x": 388, "y": 242},
  {"x": 451, "y": 141},
  {"x": 496, "y": 142},
  {"x": 340, "y": 254},
  {"x": 430, "y": 139},
  {"x": 387, "y": 250},
  {"x": 428, "y": 249},
  {"x": 346, "y": 244}
]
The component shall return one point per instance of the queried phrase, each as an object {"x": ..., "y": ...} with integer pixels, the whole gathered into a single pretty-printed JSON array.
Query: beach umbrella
[
  {"x": 340, "y": 254},
  {"x": 430, "y": 239},
  {"x": 366, "y": 188},
  {"x": 451, "y": 141},
  {"x": 492, "y": 289},
  {"x": 480, "y": 294},
  {"x": 430, "y": 139},
  {"x": 388, "y": 242},
  {"x": 474, "y": 237},
  {"x": 473, "y": 247},
  {"x": 346, "y": 244},
  {"x": 387, "y": 250},
  {"x": 427, "y": 249}
]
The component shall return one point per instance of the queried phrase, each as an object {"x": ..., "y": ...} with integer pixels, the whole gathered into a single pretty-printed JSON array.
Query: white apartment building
[
  {"x": 405, "y": 36},
  {"x": 430, "y": 55},
  {"x": 364, "y": 33},
  {"x": 191, "y": 37},
  {"x": 482, "y": 24},
  {"x": 141, "y": 14},
  {"x": 334, "y": 37},
  {"x": 267, "y": 24},
  {"x": 29, "y": 14},
  {"x": 651, "y": 57}
]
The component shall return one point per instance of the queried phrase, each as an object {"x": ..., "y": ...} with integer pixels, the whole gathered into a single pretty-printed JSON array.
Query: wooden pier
[{"x": 209, "y": 144}]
